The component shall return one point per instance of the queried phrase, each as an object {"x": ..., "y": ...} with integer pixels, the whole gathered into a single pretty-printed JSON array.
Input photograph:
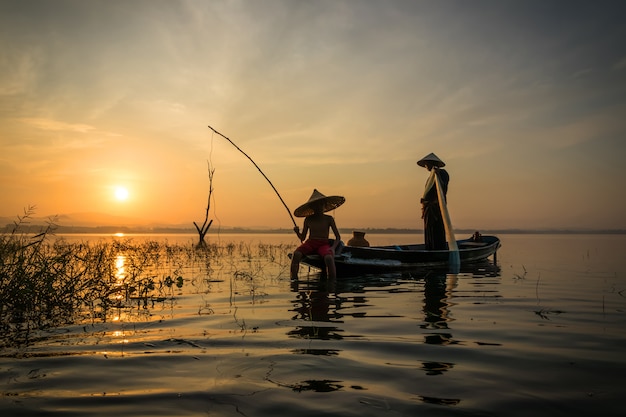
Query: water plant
[{"x": 46, "y": 281}]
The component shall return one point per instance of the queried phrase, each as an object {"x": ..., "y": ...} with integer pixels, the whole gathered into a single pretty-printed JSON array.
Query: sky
[{"x": 525, "y": 102}]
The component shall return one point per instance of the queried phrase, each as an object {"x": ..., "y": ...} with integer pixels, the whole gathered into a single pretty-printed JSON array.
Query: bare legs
[
  {"x": 295, "y": 264},
  {"x": 329, "y": 260}
]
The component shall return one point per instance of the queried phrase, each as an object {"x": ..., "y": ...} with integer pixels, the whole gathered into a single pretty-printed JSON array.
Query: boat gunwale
[{"x": 354, "y": 258}]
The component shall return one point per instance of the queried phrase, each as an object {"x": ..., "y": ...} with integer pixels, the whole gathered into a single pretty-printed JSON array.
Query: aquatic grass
[
  {"x": 47, "y": 282},
  {"x": 520, "y": 277},
  {"x": 34, "y": 283}
]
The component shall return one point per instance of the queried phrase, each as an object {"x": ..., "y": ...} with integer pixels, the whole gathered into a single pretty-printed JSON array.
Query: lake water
[{"x": 543, "y": 332}]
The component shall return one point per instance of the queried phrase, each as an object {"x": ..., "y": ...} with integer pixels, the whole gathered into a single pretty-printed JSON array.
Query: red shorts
[{"x": 319, "y": 246}]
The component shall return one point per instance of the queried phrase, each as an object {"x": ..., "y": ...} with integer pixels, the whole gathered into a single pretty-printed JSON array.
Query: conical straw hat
[
  {"x": 330, "y": 203},
  {"x": 433, "y": 159}
]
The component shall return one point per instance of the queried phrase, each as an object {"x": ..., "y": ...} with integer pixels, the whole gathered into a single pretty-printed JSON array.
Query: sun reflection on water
[{"x": 120, "y": 268}]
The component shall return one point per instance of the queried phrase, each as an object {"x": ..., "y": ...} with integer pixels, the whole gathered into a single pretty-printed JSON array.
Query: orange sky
[{"x": 524, "y": 101}]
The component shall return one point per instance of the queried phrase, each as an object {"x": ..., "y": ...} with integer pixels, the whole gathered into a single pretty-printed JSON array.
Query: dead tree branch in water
[{"x": 202, "y": 231}]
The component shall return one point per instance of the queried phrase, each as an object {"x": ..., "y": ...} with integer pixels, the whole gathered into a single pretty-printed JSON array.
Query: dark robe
[{"x": 434, "y": 229}]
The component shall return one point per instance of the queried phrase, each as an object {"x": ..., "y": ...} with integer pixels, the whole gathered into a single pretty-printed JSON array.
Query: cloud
[
  {"x": 17, "y": 71},
  {"x": 312, "y": 91},
  {"x": 55, "y": 125},
  {"x": 620, "y": 65}
]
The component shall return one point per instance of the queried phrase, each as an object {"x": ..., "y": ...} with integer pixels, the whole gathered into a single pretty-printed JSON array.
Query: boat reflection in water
[{"x": 324, "y": 310}]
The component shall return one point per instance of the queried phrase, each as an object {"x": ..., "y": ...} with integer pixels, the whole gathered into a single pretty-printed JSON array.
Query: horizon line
[{"x": 37, "y": 228}]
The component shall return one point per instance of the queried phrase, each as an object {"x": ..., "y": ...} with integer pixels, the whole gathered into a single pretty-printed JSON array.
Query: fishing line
[
  {"x": 259, "y": 169},
  {"x": 219, "y": 222}
]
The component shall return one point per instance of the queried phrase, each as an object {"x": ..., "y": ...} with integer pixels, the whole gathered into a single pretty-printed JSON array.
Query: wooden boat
[{"x": 354, "y": 260}]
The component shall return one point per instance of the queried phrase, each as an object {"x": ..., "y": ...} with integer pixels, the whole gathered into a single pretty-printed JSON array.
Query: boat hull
[{"x": 375, "y": 259}]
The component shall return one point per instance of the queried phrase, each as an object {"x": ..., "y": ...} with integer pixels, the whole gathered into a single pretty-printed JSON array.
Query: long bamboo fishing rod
[{"x": 259, "y": 169}]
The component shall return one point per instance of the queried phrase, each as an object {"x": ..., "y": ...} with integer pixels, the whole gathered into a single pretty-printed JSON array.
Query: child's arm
[
  {"x": 333, "y": 226},
  {"x": 305, "y": 230}
]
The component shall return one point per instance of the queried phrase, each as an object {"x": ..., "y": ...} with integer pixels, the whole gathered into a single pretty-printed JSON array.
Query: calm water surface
[{"x": 543, "y": 332}]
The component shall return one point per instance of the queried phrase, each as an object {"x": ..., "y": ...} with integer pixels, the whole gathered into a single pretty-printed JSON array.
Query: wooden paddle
[{"x": 454, "y": 257}]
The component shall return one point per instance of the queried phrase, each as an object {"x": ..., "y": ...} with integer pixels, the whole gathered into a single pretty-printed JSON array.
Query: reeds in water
[{"x": 47, "y": 282}]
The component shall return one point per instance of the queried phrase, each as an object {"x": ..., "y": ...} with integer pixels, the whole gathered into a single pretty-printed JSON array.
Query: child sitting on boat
[{"x": 318, "y": 226}]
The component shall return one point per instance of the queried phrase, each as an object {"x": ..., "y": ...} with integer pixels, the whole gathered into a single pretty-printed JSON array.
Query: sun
[{"x": 121, "y": 193}]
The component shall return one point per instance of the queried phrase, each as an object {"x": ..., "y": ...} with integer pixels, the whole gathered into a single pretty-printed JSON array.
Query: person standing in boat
[
  {"x": 434, "y": 229},
  {"x": 318, "y": 226}
]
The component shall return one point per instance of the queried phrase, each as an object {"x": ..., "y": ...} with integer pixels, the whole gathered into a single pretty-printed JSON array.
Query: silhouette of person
[
  {"x": 434, "y": 229},
  {"x": 318, "y": 226}
]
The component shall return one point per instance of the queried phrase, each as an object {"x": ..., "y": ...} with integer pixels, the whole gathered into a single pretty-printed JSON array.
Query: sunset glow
[
  {"x": 121, "y": 193},
  {"x": 523, "y": 101}
]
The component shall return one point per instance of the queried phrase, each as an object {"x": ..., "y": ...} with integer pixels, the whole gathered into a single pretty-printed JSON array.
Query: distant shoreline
[{"x": 240, "y": 230}]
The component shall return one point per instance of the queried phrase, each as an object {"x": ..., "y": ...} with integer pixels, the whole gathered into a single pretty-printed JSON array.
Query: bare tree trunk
[{"x": 202, "y": 230}]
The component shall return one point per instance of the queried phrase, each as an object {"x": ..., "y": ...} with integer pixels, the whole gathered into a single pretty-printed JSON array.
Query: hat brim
[
  {"x": 431, "y": 159},
  {"x": 329, "y": 203},
  {"x": 423, "y": 163}
]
